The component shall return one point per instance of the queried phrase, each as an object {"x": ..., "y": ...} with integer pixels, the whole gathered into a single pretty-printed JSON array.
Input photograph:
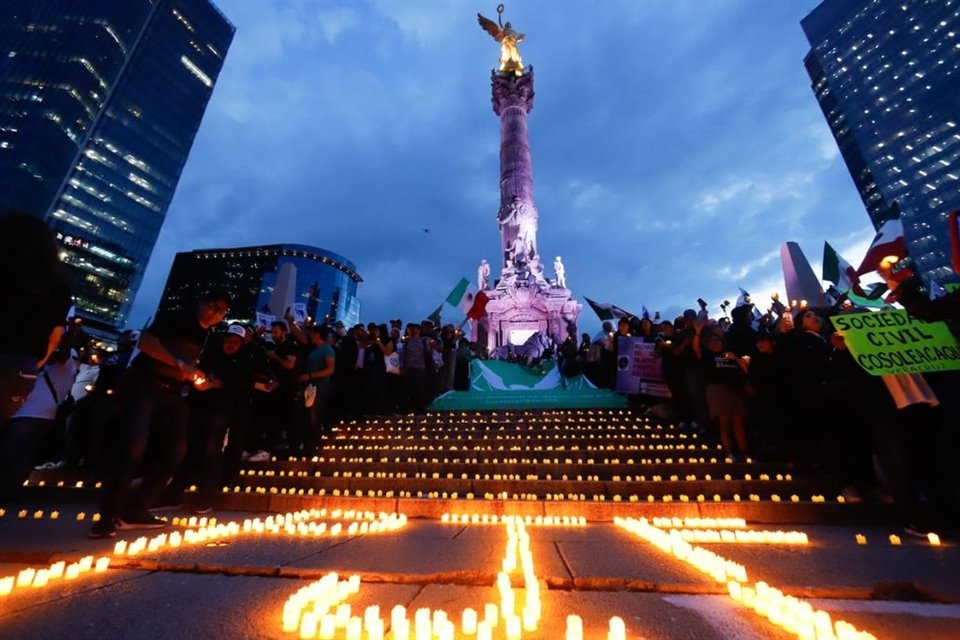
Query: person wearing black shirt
[
  {"x": 229, "y": 373},
  {"x": 152, "y": 400},
  {"x": 280, "y": 406},
  {"x": 724, "y": 373}
]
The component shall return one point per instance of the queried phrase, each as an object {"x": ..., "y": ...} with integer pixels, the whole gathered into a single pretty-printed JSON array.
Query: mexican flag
[
  {"x": 889, "y": 241},
  {"x": 607, "y": 311},
  {"x": 479, "y": 307},
  {"x": 839, "y": 271},
  {"x": 462, "y": 295}
]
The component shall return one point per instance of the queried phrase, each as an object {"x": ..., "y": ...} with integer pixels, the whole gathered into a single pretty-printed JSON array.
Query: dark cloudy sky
[{"x": 676, "y": 145}]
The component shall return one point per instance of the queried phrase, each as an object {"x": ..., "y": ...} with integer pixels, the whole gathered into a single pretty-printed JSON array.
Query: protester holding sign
[{"x": 891, "y": 342}]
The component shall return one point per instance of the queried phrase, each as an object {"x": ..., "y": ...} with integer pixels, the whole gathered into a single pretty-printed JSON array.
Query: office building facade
[
  {"x": 100, "y": 102},
  {"x": 886, "y": 77},
  {"x": 268, "y": 280}
]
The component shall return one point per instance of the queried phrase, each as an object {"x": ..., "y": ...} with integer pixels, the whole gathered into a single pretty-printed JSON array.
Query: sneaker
[
  {"x": 140, "y": 521},
  {"x": 105, "y": 528},
  {"x": 51, "y": 466},
  {"x": 244, "y": 455},
  {"x": 201, "y": 509},
  {"x": 259, "y": 456},
  {"x": 916, "y": 531}
]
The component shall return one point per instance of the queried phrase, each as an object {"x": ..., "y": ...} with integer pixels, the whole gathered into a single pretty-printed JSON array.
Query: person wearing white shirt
[{"x": 22, "y": 436}]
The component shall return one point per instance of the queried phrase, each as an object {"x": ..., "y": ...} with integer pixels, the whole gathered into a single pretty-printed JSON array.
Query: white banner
[{"x": 639, "y": 370}]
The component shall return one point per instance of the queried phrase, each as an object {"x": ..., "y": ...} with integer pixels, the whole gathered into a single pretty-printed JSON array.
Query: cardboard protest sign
[
  {"x": 264, "y": 320},
  {"x": 639, "y": 370},
  {"x": 300, "y": 312},
  {"x": 892, "y": 342}
]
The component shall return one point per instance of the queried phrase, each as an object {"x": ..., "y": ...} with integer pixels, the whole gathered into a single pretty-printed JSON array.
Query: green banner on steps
[{"x": 506, "y": 385}]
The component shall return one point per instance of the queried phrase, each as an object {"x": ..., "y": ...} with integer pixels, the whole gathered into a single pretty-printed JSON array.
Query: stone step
[
  {"x": 384, "y": 467},
  {"x": 542, "y": 488},
  {"x": 760, "y": 512}
]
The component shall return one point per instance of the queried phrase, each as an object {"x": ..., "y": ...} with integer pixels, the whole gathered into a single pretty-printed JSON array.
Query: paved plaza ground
[{"x": 236, "y": 588}]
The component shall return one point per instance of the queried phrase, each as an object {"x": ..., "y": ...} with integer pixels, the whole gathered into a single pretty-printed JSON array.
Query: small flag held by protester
[
  {"x": 607, "y": 311},
  {"x": 839, "y": 271},
  {"x": 461, "y": 296},
  {"x": 479, "y": 307},
  {"x": 889, "y": 241}
]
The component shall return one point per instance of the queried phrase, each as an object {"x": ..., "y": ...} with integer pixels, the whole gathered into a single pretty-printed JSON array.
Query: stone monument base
[{"x": 522, "y": 310}]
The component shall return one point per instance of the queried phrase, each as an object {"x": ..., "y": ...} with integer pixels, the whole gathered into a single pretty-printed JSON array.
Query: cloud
[{"x": 675, "y": 147}]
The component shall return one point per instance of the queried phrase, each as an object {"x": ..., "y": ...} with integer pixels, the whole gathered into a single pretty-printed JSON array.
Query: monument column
[{"x": 512, "y": 100}]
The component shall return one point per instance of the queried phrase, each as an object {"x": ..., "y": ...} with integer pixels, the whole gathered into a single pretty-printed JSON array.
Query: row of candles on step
[
  {"x": 31, "y": 578},
  {"x": 539, "y": 521},
  {"x": 787, "y": 612},
  {"x": 302, "y": 523}
]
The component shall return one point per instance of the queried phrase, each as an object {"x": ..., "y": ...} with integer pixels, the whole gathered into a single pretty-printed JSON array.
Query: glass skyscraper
[
  {"x": 887, "y": 75},
  {"x": 322, "y": 281},
  {"x": 100, "y": 101}
]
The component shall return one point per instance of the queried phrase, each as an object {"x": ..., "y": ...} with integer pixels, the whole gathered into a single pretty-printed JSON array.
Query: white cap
[{"x": 236, "y": 330}]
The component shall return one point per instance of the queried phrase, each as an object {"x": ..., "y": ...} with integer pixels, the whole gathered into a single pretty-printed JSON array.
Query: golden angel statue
[{"x": 510, "y": 60}]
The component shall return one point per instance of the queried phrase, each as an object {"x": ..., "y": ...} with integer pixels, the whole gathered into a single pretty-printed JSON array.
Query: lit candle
[
  {"x": 618, "y": 630},
  {"x": 26, "y": 576},
  {"x": 56, "y": 570},
  {"x": 328, "y": 627},
  {"x": 513, "y": 628},
  {"x": 370, "y": 614},
  {"x": 421, "y": 624},
  {"x": 343, "y": 615},
  {"x": 73, "y": 571},
  {"x": 308, "y": 626},
  {"x": 894, "y": 540},
  {"x": 400, "y": 629},
  {"x": 469, "y": 622},
  {"x": 354, "y": 628},
  {"x": 574, "y": 628},
  {"x": 491, "y": 614},
  {"x": 102, "y": 564},
  {"x": 484, "y": 631},
  {"x": 934, "y": 539},
  {"x": 861, "y": 539},
  {"x": 40, "y": 578}
]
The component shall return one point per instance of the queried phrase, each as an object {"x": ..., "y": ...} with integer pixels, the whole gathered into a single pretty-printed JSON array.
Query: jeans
[
  {"x": 317, "y": 412},
  {"x": 153, "y": 414}
]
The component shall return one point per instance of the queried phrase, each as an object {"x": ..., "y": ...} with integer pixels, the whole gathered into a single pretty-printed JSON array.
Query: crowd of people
[
  {"x": 189, "y": 398},
  {"x": 185, "y": 401},
  {"x": 783, "y": 386}
]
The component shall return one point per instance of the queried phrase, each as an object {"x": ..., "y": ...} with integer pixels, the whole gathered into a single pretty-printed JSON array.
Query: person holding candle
[
  {"x": 153, "y": 403},
  {"x": 725, "y": 375},
  {"x": 228, "y": 378}
]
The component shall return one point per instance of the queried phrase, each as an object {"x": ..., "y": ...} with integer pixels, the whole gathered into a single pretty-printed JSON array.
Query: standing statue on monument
[
  {"x": 560, "y": 273},
  {"x": 483, "y": 275},
  {"x": 510, "y": 60}
]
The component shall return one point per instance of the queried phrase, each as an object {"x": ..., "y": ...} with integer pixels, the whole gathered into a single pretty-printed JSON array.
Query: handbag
[{"x": 309, "y": 395}]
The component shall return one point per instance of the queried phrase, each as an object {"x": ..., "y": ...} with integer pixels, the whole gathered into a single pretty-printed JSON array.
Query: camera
[{"x": 702, "y": 303}]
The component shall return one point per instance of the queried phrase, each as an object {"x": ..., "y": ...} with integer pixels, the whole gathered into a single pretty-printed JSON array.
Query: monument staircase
[{"x": 592, "y": 463}]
